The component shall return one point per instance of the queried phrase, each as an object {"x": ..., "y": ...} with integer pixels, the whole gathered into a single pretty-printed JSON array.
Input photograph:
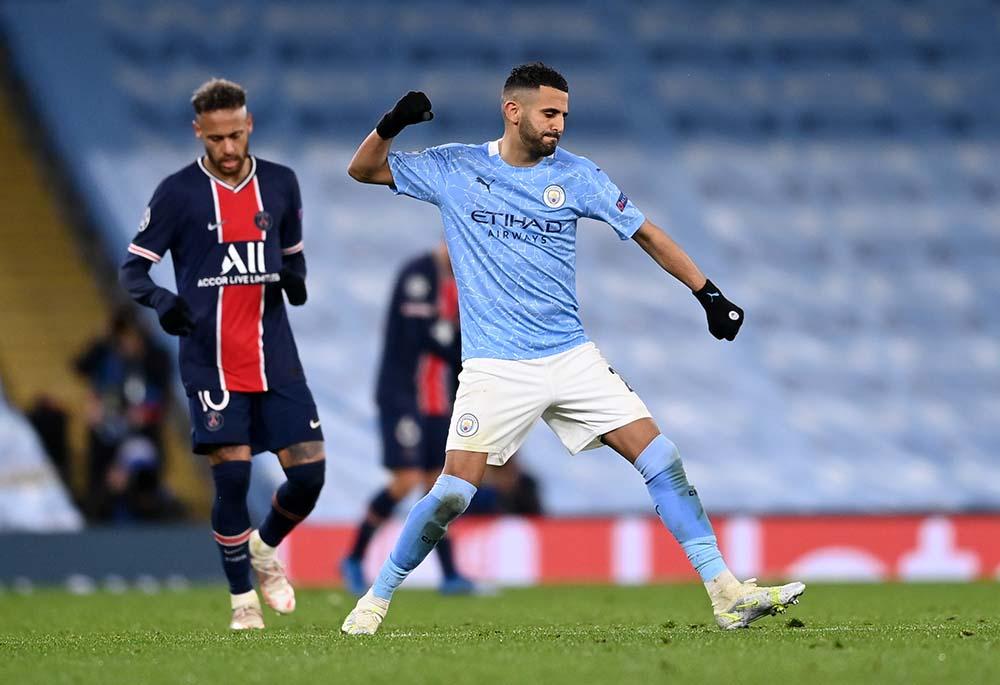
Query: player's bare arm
[
  {"x": 724, "y": 317},
  {"x": 370, "y": 163},
  {"x": 669, "y": 255}
]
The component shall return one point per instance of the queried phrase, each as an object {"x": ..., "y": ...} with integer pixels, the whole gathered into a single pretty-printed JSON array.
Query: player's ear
[
  {"x": 196, "y": 127},
  {"x": 512, "y": 111},
  {"x": 249, "y": 123}
]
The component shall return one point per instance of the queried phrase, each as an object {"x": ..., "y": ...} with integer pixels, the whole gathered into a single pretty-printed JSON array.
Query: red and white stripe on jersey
[
  {"x": 232, "y": 540},
  {"x": 143, "y": 252},
  {"x": 294, "y": 249},
  {"x": 239, "y": 326},
  {"x": 433, "y": 374}
]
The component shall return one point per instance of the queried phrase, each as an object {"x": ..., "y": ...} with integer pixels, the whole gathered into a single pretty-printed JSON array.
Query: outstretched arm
[
  {"x": 724, "y": 317},
  {"x": 669, "y": 255},
  {"x": 370, "y": 163}
]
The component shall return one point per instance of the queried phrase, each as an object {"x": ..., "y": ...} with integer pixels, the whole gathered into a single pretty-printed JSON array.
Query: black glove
[
  {"x": 412, "y": 108},
  {"x": 724, "y": 317},
  {"x": 176, "y": 317},
  {"x": 294, "y": 286}
]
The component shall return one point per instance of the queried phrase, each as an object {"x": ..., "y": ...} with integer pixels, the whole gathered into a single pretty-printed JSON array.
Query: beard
[
  {"x": 219, "y": 162},
  {"x": 537, "y": 143}
]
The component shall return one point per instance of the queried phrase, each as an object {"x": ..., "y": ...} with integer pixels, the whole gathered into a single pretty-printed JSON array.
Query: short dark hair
[
  {"x": 218, "y": 93},
  {"x": 534, "y": 75}
]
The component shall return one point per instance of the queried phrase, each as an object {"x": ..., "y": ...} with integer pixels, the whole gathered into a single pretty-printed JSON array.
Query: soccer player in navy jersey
[
  {"x": 233, "y": 224},
  {"x": 510, "y": 209},
  {"x": 421, "y": 358}
]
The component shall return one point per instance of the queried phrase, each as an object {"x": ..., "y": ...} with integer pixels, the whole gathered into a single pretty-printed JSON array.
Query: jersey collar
[
  {"x": 243, "y": 183},
  {"x": 493, "y": 152}
]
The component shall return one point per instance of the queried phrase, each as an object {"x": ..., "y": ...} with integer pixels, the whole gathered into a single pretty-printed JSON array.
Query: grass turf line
[{"x": 852, "y": 633}]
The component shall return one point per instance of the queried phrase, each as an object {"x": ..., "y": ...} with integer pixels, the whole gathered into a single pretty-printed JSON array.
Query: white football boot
[
  {"x": 246, "y": 612},
  {"x": 750, "y": 603},
  {"x": 366, "y": 616},
  {"x": 271, "y": 579}
]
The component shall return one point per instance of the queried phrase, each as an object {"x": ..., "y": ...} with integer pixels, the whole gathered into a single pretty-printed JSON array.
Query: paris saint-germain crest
[
  {"x": 214, "y": 421},
  {"x": 263, "y": 220}
]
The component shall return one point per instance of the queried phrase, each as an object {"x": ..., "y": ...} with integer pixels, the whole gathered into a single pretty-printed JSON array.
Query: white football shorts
[{"x": 576, "y": 393}]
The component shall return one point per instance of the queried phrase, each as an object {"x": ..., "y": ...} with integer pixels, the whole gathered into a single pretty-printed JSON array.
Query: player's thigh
[
  {"x": 219, "y": 418},
  {"x": 285, "y": 418},
  {"x": 402, "y": 440},
  {"x": 592, "y": 400},
  {"x": 497, "y": 403}
]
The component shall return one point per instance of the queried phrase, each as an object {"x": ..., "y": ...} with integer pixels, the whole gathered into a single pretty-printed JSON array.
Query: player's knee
[
  {"x": 454, "y": 495},
  {"x": 661, "y": 459},
  {"x": 307, "y": 479}
]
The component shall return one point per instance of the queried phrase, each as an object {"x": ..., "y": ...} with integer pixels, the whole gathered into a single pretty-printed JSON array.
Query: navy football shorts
[
  {"x": 267, "y": 421},
  {"x": 412, "y": 441}
]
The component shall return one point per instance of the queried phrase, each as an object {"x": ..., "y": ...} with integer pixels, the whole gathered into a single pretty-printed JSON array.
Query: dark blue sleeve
[
  {"x": 155, "y": 237},
  {"x": 134, "y": 277},
  {"x": 291, "y": 225}
]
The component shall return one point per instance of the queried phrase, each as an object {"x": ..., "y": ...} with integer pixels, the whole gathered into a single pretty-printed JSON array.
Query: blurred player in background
[
  {"x": 233, "y": 224},
  {"x": 421, "y": 358},
  {"x": 510, "y": 209}
]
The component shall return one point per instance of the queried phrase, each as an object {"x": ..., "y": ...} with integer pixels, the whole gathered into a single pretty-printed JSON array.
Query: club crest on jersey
[
  {"x": 554, "y": 196},
  {"x": 467, "y": 426},
  {"x": 263, "y": 220},
  {"x": 417, "y": 287},
  {"x": 144, "y": 224},
  {"x": 408, "y": 432},
  {"x": 214, "y": 421}
]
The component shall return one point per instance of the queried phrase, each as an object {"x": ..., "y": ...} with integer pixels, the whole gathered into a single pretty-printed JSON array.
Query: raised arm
[
  {"x": 724, "y": 317},
  {"x": 370, "y": 163}
]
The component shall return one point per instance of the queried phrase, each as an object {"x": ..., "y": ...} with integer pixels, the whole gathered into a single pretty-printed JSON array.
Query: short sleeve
[
  {"x": 607, "y": 203},
  {"x": 291, "y": 227},
  {"x": 419, "y": 175},
  {"x": 156, "y": 229}
]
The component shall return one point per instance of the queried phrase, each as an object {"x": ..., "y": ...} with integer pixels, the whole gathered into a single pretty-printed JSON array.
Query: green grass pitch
[{"x": 941, "y": 634}]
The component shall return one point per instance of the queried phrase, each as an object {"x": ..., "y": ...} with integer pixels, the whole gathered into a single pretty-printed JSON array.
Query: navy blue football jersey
[
  {"x": 421, "y": 356},
  {"x": 227, "y": 244}
]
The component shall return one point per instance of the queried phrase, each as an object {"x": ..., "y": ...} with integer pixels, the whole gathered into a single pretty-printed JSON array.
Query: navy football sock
[
  {"x": 293, "y": 501},
  {"x": 446, "y": 556},
  {"x": 231, "y": 522},
  {"x": 379, "y": 509}
]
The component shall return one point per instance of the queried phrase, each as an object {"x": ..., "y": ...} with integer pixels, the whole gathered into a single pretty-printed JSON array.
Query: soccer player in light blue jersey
[{"x": 510, "y": 208}]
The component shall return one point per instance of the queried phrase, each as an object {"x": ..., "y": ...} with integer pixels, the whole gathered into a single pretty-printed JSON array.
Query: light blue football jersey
[{"x": 511, "y": 234}]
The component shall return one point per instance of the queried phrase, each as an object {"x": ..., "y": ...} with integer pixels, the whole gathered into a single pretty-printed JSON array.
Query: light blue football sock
[
  {"x": 679, "y": 507},
  {"x": 425, "y": 525}
]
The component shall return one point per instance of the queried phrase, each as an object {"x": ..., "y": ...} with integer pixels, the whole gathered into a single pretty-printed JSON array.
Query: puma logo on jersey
[
  {"x": 253, "y": 264},
  {"x": 479, "y": 179}
]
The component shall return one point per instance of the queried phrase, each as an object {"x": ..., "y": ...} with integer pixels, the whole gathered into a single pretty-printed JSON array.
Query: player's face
[
  {"x": 226, "y": 134},
  {"x": 542, "y": 119}
]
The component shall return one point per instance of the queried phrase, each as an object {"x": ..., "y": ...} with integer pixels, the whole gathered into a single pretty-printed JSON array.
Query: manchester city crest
[
  {"x": 554, "y": 196},
  {"x": 467, "y": 426},
  {"x": 263, "y": 220}
]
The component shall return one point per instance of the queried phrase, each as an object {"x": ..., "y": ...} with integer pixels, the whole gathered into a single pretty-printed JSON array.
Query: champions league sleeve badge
[{"x": 144, "y": 224}]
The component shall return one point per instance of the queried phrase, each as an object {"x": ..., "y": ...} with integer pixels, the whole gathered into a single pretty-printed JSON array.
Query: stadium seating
[
  {"x": 833, "y": 165},
  {"x": 32, "y": 498}
]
